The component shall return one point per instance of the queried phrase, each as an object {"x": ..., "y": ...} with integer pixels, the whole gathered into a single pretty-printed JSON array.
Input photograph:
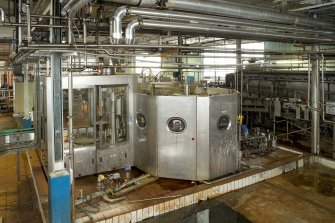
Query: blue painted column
[{"x": 59, "y": 197}]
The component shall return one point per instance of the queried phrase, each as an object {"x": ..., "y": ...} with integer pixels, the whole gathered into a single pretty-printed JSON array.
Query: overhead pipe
[
  {"x": 73, "y": 6},
  {"x": 238, "y": 10},
  {"x": 130, "y": 31},
  {"x": 67, "y": 47},
  {"x": 34, "y": 25},
  {"x": 222, "y": 31},
  {"x": 137, "y": 3},
  {"x": 116, "y": 24},
  {"x": 166, "y": 14},
  {"x": 312, "y": 7}
]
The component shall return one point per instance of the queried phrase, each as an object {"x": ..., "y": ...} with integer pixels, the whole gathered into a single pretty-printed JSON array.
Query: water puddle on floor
[
  {"x": 316, "y": 177},
  {"x": 210, "y": 211}
]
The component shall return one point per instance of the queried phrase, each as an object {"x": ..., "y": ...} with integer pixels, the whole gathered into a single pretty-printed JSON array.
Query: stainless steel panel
[
  {"x": 223, "y": 144},
  {"x": 115, "y": 157},
  {"x": 84, "y": 161},
  {"x": 176, "y": 151},
  {"x": 152, "y": 162},
  {"x": 203, "y": 138},
  {"x": 141, "y": 133}
]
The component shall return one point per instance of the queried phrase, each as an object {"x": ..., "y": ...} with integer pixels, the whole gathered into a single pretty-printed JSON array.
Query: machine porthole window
[
  {"x": 223, "y": 122},
  {"x": 141, "y": 121},
  {"x": 176, "y": 125}
]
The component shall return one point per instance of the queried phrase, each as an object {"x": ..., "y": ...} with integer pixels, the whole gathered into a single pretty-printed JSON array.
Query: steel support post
[
  {"x": 315, "y": 96},
  {"x": 59, "y": 179}
]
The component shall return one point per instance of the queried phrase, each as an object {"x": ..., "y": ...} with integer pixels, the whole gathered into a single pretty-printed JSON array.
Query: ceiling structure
[{"x": 323, "y": 9}]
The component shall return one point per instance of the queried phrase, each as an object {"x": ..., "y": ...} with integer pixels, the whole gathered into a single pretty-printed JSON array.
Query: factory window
[
  {"x": 221, "y": 60},
  {"x": 176, "y": 125}
]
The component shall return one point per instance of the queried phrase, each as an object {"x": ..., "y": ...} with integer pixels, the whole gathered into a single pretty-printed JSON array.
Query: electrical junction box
[{"x": 330, "y": 108}]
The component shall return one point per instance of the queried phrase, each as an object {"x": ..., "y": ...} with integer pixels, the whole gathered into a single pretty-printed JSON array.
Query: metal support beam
[
  {"x": 57, "y": 112},
  {"x": 315, "y": 107},
  {"x": 59, "y": 184}
]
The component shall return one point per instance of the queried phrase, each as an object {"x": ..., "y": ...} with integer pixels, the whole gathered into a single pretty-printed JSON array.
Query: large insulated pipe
[
  {"x": 29, "y": 38},
  {"x": 222, "y": 31},
  {"x": 73, "y": 6},
  {"x": 2, "y": 15},
  {"x": 315, "y": 108},
  {"x": 19, "y": 9},
  {"x": 116, "y": 24},
  {"x": 138, "y": 3},
  {"x": 166, "y": 14},
  {"x": 130, "y": 31},
  {"x": 237, "y": 10}
]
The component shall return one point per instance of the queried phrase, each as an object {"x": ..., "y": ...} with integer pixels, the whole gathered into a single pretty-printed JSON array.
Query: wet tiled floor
[
  {"x": 303, "y": 195},
  {"x": 18, "y": 202}
]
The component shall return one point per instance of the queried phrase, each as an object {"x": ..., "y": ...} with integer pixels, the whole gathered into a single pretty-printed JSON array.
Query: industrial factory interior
[{"x": 186, "y": 111}]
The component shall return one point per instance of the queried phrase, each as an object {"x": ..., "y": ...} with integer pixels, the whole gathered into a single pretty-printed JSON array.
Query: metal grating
[{"x": 56, "y": 61}]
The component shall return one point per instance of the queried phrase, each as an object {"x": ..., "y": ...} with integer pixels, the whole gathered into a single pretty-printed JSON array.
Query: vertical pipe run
[
  {"x": 28, "y": 22},
  {"x": 315, "y": 95},
  {"x": 20, "y": 21},
  {"x": 113, "y": 119},
  {"x": 70, "y": 32},
  {"x": 51, "y": 22},
  {"x": 26, "y": 91},
  {"x": 85, "y": 30},
  {"x": 70, "y": 133}
]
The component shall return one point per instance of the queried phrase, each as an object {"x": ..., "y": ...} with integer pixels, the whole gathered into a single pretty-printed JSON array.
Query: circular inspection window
[
  {"x": 141, "y": 121},
  {"x": 176, "y": 125},
  {"x": 223, "y": 122}
]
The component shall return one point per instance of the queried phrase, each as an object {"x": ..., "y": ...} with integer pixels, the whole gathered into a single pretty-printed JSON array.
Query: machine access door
[{"x": 176, "y": 132}]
